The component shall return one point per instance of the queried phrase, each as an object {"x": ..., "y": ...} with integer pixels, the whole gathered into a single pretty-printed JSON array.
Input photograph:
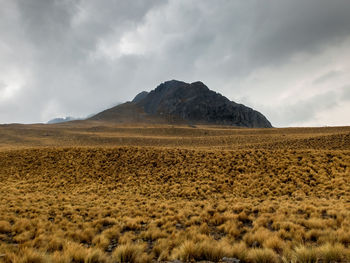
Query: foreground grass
[
  {"x": 141, "y": 204},
  {"x": 274, "y": 196}
]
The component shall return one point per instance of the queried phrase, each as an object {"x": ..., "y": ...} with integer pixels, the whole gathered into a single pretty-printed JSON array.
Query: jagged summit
[{"x": 175, "y": 101}]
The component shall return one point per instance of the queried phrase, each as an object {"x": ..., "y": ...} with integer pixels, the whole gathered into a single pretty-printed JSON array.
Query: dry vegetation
[{"x": 103, "y": 193}]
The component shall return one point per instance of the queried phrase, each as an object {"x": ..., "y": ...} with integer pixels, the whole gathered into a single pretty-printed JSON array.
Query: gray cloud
[
  {"x": 284, "y": 28},
  {"x": 345, "y": 96},
  {"x": 2, "y": 86},
  {"x": 325, "y": 77},
  {"x": 305, "y": 110},
  {"x": 75, "y": 57}
]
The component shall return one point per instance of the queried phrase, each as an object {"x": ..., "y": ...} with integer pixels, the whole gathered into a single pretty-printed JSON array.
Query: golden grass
[
  {"x": 274, "y": 195},
  {"x": 259, "y": 255},
  {"x": 129, "y": 253}
]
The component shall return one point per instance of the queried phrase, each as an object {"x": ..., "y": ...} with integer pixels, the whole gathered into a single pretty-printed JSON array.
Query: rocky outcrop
[
  {"x": 140, "y": 96},
  {"x": 196, "y": 103}
]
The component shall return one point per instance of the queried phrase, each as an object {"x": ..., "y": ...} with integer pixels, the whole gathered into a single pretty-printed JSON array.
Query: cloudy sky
[{"x": 288, "y": 59}]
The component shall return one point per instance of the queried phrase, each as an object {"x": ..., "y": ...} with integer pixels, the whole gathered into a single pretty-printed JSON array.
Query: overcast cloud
[{"x": 287, "y": 59}]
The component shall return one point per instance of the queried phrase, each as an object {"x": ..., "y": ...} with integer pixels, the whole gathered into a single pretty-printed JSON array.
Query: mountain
[
  {"x": 60, "y": 120},
  {"x": 177, "y": 101}
]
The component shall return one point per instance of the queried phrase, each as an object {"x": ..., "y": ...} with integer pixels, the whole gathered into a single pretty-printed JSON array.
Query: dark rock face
[
  {"x": 140, "y": 96},
  {"x": 196, "y": 103}
]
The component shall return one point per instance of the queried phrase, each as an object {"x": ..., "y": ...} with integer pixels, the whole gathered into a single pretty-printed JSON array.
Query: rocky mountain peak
[
  {"x": 178, "y": 101},
  {"x": 195, "y": 102}
]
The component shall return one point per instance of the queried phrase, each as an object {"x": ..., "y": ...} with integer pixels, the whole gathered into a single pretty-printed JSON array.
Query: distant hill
[
  {"x": 177, "y": 101},
  {"x": 60, "y": 120}
]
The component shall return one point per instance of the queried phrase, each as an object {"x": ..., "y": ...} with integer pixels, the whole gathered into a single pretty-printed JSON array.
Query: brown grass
[{"x": 137, "y": 194}]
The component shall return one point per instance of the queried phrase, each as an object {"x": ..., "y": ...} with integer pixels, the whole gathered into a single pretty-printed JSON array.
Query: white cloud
[{"x": 289, "y": 93}]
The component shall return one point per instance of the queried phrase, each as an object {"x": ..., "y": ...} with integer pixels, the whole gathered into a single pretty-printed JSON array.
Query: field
[{"x": 99, "y": 192}]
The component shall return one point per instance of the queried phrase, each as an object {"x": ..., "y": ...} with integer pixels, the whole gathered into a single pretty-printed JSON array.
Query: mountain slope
[
  {"x": 179, "y": 101},
  {"x": 140, "y": 96}
]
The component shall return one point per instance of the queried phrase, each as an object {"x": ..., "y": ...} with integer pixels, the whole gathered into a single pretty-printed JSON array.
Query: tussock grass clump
[
  {"x": 55, "y": 244},
  {"x": 258, "y": 238},
  {"x": 239, "y": 251},
  {"x": 205, "y": 250},
  {"x": 231, "y": 229},
  {"x": 5, "y": 227},
  {"x": 189, "y": 251},
  {"x": 154, "y": 233},
  {"x": 304, "y": 254},
  {"x": 96, "y": 256},
  {"x": 28, "y": 255},
  {"x": 325, "y": 253},
  {"x": 75, "y": 253},
  {"x": 262, "y": 255},
  {"x": 332, "y": 253},
  {"x": 101, "y": 241},
  {"x": 129, "y": 253},
  {"x": 275, "y": 243}
]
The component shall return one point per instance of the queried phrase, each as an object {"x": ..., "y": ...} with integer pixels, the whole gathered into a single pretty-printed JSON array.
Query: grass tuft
[
  {"x": 128, "y": 253},
  {"x": 262, "y": 255}
]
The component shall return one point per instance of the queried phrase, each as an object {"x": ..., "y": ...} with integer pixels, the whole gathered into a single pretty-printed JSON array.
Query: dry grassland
[{"x": 102, "y": 193}]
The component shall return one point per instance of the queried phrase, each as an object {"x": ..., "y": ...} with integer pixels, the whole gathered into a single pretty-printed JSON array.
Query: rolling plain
[{"x": 100, "y": 192}]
